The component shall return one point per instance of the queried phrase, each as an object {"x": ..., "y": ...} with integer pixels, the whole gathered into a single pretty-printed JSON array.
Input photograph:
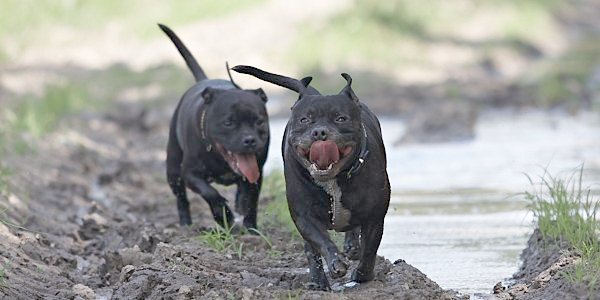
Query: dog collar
[
  {"x": 362, "y": 156},
  {"x": 202, "y": 129}
]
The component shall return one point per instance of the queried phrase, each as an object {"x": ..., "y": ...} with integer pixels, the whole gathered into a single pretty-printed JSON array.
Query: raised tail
[
  {"x": 296, "y": 85},
  {"x": 187, "y": 56}
]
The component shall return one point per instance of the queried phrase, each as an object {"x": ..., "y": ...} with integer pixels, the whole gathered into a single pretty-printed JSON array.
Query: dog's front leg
[
  {"x": 370, "y": 239},
  {"x": 218, "y": 204},
  {"x": 318, "y": 280},
  {"x": 316, "y": 235},
  {"x": 352, "y": 244},
  {"x": 246, "y": 201}
]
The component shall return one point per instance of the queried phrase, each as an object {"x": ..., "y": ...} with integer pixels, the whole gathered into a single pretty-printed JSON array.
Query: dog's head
[
  {"x": 324, "y": 132},
  {"x": 236, "y": 124}
]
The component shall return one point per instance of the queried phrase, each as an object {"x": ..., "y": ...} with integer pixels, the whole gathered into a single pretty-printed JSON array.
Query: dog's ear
[
  {"x": 347, "y": 90},
  {"x": 306, "y": 81},
  {"x": 208, "y": 94},
  {"x": 259, "y": 92},
  {"x": 231, "y": 78}
]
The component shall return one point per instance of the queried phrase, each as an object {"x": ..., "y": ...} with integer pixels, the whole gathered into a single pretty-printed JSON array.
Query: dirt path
[
  {"x": 98, "y": 219},
  {"x": 102, "y": 224}
]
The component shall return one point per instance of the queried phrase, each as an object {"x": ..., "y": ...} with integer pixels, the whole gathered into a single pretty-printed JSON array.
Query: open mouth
[
  {"x": 324, "y": 157},
  {"x": 243, "y": 164}
]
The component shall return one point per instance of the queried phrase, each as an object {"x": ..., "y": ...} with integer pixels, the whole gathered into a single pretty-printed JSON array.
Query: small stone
[
  {"x": 184, "y": 290},
  {"x": 84, "y": 291},
  {"x": 97, "y": 218},
  {"x": 126, "y": 272},
  {"x": 498, "y": 288},
  {"x": 247, "y": 293}
]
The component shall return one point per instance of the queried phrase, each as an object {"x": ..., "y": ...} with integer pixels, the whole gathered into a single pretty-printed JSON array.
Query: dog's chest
[{"x": 339, "y": 215}]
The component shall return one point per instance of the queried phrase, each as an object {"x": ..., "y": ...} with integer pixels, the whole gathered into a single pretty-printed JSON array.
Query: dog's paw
[
  {"x": 352, "y": 252},
  {"x": 316, "y": 286},
  {"x": 360, "y": 276},
  {"x": 337, "y": 268}
]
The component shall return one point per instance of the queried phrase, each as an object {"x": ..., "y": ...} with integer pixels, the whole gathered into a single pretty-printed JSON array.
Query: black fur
[
  {"x": 359, "y": 180},
  {"x": 215, "y": 122}
]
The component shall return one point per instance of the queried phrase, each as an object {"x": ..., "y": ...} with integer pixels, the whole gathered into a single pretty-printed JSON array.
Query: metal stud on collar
[{"x": 202, "y": 115}]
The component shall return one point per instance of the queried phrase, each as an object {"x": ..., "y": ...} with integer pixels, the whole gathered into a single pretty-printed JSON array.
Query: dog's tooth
[{"x": 329, "y": 167}]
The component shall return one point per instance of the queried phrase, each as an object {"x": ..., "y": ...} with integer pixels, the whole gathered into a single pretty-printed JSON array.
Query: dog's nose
[
  {"x": 319, "y": 134},
  {"x": 249, "y": 141}
]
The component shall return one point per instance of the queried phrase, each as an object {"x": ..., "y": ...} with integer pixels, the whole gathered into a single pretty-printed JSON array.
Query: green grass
[
  {"x": 89, "y": 91},
  {"x": 395, "y": 33},
  {"x": 39, "y": 115},
  {"x": 222, "y": 240},
  {"x": 564, "y": 210},
  {"x": 3, "y": 277},
  {"x": 276, "y": 213},
  {"x": 563, "y": 80},
  {"x": 24, "y": 21},
  {"x": 4, "y": 173}
]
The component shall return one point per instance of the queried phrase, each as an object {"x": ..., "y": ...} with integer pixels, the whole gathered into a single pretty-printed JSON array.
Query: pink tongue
[
  {"x": 248, "y": 166},
  {"x": 324, "y": 153}
]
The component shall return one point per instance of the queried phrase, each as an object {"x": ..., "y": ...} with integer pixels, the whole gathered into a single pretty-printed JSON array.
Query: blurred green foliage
[
  {"x": 393, "y": 33},
  {"x": 90, "y": 90},
  {"x": 39, "y": 115},
  {"x": 21, "y": 20},
  {"x": 276, "y": 212},
  {"x": 566, "y": 80}
]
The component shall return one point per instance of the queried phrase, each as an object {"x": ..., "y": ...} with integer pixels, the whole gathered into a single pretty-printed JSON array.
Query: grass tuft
[
  {"x": 276, "y": 212},
  {"x": 4, "y": 173},
  {"x": 40, "y": 115},
  {"x": 564, "y": 210},
  {"x": 222, "y": 240},
  {"x": 3, "y": 277}
]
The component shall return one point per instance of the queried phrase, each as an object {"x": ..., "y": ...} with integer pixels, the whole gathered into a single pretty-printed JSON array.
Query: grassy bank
[
  {"x": 391, "y": 34},
  {"x": 565, "y": 210},
  {"x": 275, "y": 212},
  {"x": 36, "y": 114},
  {"x": 22, "y": 22}
]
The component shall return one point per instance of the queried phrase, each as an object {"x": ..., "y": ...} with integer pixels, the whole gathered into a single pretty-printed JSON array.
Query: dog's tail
[
  {"x": 187, "y": 56},
  {"x": 300, "y": 86}
]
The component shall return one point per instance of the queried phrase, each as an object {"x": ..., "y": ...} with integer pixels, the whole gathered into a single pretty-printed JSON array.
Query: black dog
[
  {"x": 335, "y": 173},
  {"x": 219, "y": 133}
]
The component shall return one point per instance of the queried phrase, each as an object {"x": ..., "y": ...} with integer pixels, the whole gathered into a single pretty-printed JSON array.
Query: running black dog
[
  {"x": 335, "y": 173},
  {"x": 218, "y": 133}
]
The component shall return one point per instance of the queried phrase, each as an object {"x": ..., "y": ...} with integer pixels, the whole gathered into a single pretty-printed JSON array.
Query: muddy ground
[
  {"x": 87, "y": 213},
  {"x": 98, "y": 221},
  {"x": 541, "y": 273}
]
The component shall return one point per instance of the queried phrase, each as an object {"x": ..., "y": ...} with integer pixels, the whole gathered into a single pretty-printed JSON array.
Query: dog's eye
[
  {"x": 227, "y": 123},
  {"x": 259, "y": 122},
  {"x": 304, "y": 120},
  {"x": 341, "y": 119}
]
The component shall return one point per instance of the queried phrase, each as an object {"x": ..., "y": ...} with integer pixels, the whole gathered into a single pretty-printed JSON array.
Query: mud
[
  {"x": 96, "y": 220},
  {"x": 541, "y": 275}
]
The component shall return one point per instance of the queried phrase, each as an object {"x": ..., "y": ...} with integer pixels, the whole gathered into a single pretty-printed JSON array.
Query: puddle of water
[
  {"x": 455, "y": 214},
  {"x": 468, "y": 253}
]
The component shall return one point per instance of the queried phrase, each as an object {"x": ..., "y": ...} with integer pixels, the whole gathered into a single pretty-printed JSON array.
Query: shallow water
[{"x": 456, "y": 214}]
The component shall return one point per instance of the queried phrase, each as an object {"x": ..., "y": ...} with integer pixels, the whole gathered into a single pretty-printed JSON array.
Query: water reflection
[{"x": 455, "y": 213}]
